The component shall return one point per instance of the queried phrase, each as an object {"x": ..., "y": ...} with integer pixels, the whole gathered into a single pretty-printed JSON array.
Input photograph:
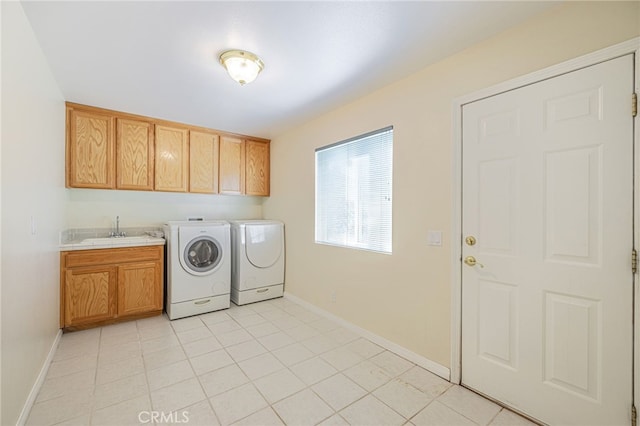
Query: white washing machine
[
  {"x": 198, "y": 267},
  {"x": 257, "y": 265}
]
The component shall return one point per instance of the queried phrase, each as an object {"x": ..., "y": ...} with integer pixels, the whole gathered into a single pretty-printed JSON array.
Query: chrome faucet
[{"x": 117, "y": 233}]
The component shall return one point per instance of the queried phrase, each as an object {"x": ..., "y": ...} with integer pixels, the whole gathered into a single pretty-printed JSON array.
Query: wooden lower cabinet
[
  {"x": 138, "y": 290},
  {"x": 90, "y": 294},
  {"x": 107, "y": 285}
]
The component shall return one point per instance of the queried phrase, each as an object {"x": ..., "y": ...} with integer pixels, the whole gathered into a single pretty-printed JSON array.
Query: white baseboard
[
  {"x": 31, "y": 399},
  {"x": 405, "y": 353}
]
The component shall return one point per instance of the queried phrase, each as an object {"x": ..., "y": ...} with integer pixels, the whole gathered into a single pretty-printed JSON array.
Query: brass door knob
[
  {"x": 471, "y": 261},
  {"x": 470, "y": 240}
]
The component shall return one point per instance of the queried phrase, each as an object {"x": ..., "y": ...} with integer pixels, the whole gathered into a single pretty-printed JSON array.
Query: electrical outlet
[
  {"x": 333, "y": 296},
  {"x": 434, "y": 238}
]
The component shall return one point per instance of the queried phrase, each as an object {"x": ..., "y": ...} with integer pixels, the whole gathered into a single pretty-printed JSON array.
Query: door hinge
[
  {"x": 634, "y": 104},
  {"x": 634, "y": 415},
  {"x": 634, "y": 261}
]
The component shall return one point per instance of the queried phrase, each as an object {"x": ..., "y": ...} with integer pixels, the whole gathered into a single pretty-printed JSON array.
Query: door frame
[{"x": 628, "y": 47}]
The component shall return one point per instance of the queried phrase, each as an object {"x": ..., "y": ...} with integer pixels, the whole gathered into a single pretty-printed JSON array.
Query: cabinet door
[
  {"x": 204, "y": 149},
  {"x": 232, "y": 165},
  {"x": 135, "y": 154},
  {"x": 257, "y": 179},
  {"x": 90, "y": 150},
  {"x": 139, "y": 288},
  {"x": 172, "y": 159},
  {"x": 90, "y": 295}
]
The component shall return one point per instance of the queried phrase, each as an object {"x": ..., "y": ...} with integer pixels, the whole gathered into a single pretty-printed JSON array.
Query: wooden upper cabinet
[
  {"x": 257, "y": 168},
  {"x": 135, "y": 154},
  {"x": 172, "y": 159},
  {"x": 90, "y": 150},
  {"x": 232, "y": 165},
  {"x": 204, "y": 152},
  {"x": 116, "y": 150}
]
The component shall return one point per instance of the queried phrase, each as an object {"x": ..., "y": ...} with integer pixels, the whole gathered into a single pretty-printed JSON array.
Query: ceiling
[{"x": 160, "y": 59}]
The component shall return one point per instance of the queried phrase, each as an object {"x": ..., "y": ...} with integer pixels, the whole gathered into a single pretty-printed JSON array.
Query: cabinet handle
[
  {"x": 263, "y": 290},
  {"x": 202, "y": 302}
]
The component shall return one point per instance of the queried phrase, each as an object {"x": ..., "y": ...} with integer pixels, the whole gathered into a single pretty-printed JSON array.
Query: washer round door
[{"x": 201, "y": 255}]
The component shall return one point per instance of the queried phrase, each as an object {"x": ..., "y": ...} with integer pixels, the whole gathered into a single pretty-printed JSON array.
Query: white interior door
[{"x": 547, "y": 195}]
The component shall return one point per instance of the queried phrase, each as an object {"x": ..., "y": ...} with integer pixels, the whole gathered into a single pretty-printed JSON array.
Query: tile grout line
[
  {"x": 204, "y": 392},
  {"x": 95, "y": 378},
  {"x": 310, "y": 386},
  {"x": 289, "y": 316},
  {"x": 144, "y": 367},
  {"x": 269, "y": 405}
]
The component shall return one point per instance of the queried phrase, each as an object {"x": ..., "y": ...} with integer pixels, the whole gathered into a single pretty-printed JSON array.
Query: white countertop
[
  {"x": 89, "y": 239},
  {"x": 112, "y": 242}
]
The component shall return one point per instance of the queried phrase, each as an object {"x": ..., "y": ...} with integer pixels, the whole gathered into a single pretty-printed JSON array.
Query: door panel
[
  {"x": 497, "y": 312},
  {"x": 571, "y": 344},
  {"x": 497, "y": 194},
  {"x": 547, "y": 193},
  {"x": 573, "y": 223}
]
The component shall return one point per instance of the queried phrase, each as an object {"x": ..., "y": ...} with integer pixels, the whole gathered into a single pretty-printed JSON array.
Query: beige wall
[
  {"x": 405, "y": 297},
  {"x": 32, "y": 186},
  {"x": 33, "y": 117},
  {"x": 93, "y": 208}
]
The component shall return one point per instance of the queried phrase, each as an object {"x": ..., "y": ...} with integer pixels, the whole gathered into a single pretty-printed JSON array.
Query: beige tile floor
[{"x": 269, "y": 363}]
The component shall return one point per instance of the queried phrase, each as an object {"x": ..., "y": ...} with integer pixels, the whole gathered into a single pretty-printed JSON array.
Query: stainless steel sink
[
  {"x": 116, "y": 240},
  {"x": 106, "y": 242}
]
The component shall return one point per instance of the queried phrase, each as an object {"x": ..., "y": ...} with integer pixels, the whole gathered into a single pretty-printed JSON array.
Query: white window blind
[{"x": 354, "y": 192}]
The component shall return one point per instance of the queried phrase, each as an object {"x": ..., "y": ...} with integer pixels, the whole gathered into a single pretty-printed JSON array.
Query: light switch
[{"x": 434, "y": 238}]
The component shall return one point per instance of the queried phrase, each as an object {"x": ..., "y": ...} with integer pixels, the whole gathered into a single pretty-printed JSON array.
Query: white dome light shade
[{"x": 242, "y": 66}]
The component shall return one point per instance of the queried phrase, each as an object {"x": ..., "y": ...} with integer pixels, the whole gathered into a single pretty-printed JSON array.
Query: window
[{"x": 353, "y": 192}]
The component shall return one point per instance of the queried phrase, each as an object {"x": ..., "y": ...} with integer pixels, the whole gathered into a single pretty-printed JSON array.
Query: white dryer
[
  {"x": 257, "y": 266},
  {"x": 198, "y": 267}
]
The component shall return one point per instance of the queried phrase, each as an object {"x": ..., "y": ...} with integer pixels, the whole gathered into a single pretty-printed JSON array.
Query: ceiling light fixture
[{"x": 241, "y": 65}]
